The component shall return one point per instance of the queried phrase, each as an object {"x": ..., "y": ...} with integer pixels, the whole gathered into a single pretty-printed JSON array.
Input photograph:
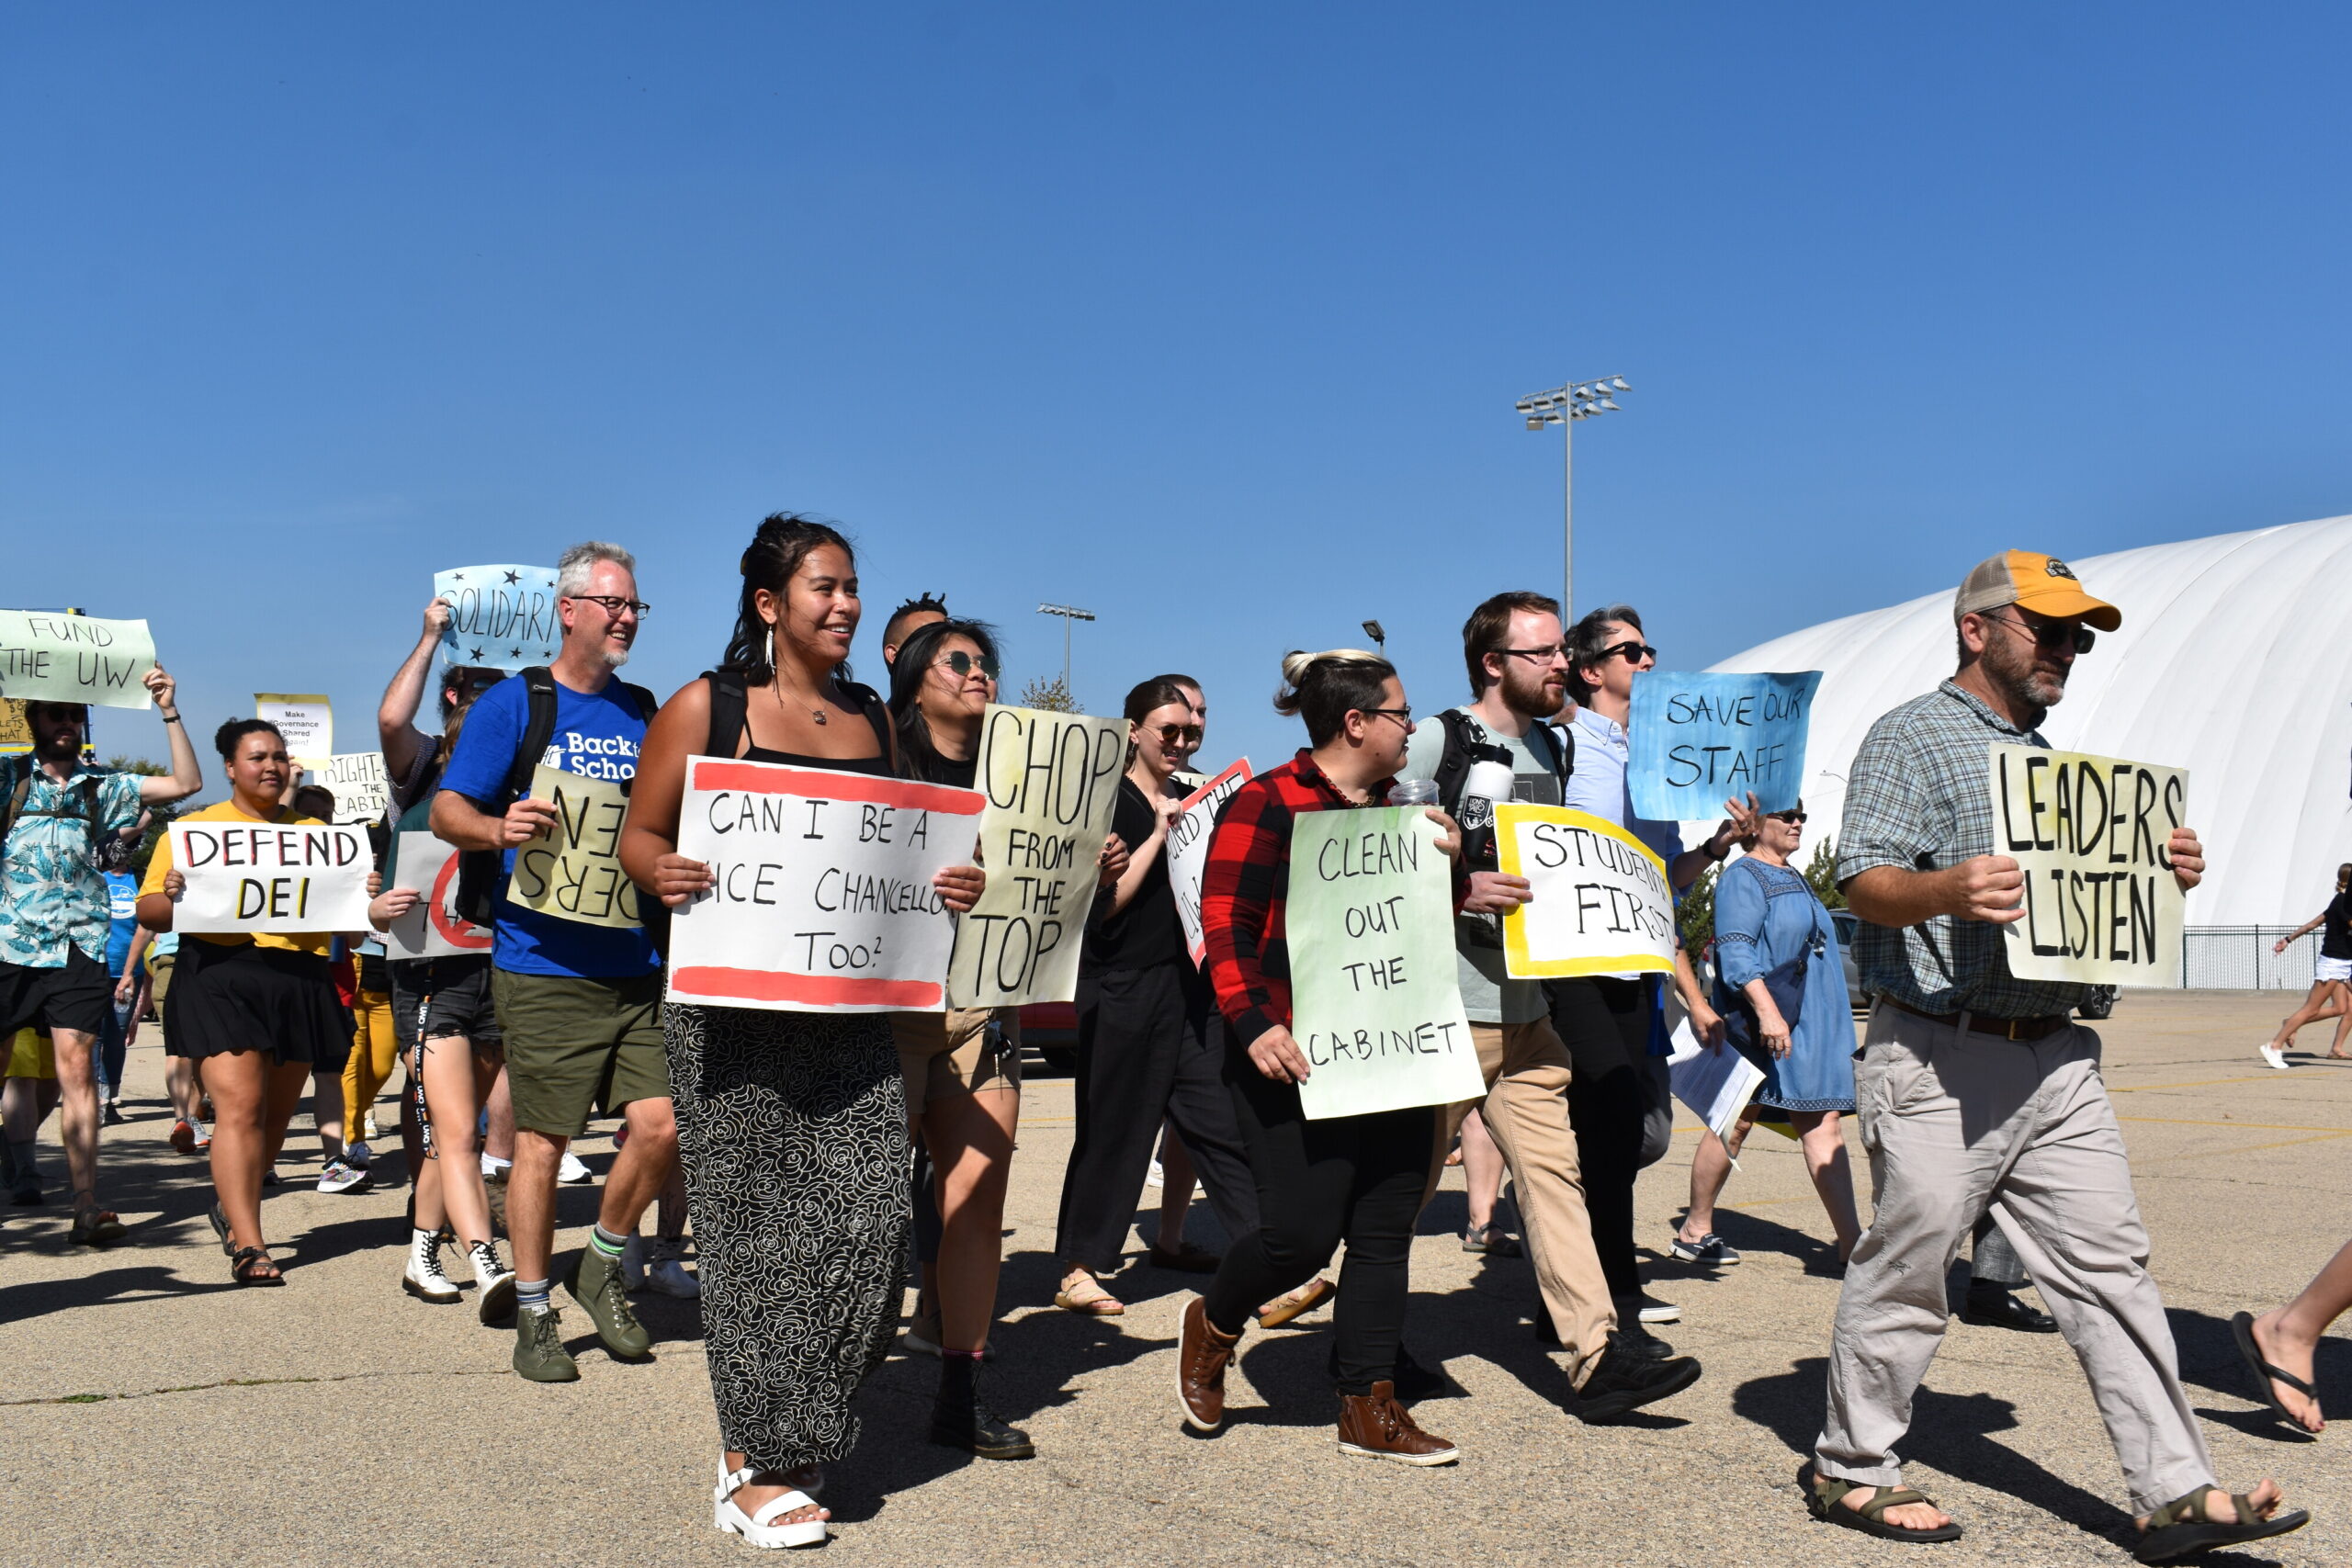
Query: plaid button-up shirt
[{"x": 1916, "y": 798}]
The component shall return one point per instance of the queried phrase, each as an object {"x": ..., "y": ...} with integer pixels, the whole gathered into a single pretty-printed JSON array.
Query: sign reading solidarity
[
  {"x": 1701, "y": 740},
  {"x": 57, "y": 658},
  {"x": 362, "y": 792},
  {"x": 268, "y": 877},
  {"x": 1052, "y": 781},
  {"x": 501, "y": 618},
  {"x": 1602, "y": 905},
  {"x": 1188, "y": 849},
  {"x": 306, "y": 721},
  {"x": 431, "y": 930},
  {"x": 573, "y": 872},
  {"x": 1374, "y": 1003},
  {"x": 2092, "y": 836},
  {"x": 821, "y": 899}
]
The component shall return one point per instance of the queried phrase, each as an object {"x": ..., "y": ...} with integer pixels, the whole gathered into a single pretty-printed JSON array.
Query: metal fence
[{"x": 2238, "y": 958}]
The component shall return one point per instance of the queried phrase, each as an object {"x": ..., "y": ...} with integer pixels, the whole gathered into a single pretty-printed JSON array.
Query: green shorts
[{"x": 574, "y": 1046}]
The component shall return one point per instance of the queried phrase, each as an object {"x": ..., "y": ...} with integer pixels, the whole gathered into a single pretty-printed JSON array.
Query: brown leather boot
[
  {"x": 1376, "y": 1427},
  {"x": 1200, "y": 1368}
]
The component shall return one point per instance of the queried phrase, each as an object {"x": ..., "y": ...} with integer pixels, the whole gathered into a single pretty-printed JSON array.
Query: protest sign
[
  {"x": 264, "y": 876},
  {"x": 431, "y": 930},
  {"x": 1052, "y": 780},
  {"x": 305, "y": 720},
  {"x": 501, "y": 618},
  {"x": 362, "y": 792},
  {"x": 1699, "y": 739},
  {"x": 1602, "y": 905},
  {"x": 2091, "y": 835},
  {"x": 1375, "y": 1005},
  {"x": 15, "y": 735},
  {"x": 1187, "y": 850},
  {"x": 573, "y": 871},
  {"x": 822, "y": 899},
  {"x": 54, "y": 657}
]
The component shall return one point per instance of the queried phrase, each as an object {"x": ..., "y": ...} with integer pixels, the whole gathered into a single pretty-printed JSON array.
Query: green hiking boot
[
  {"x": 539, "y": 1354},
  {"x": 596, "y": 1284}
]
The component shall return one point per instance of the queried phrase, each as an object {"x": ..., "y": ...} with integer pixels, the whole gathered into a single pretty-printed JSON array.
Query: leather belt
[{"x": 2005, "y": 1028}]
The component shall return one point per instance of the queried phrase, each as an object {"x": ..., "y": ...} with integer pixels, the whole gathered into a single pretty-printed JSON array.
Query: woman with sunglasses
[{"x": 1781, "y": 987}]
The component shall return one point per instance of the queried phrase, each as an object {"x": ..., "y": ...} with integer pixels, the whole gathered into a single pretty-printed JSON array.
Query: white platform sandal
[{"x": 761, "y": 1529}]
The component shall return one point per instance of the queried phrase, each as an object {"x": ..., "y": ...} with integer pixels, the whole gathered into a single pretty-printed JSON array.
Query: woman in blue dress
[{"x": 1767, "y": 918}]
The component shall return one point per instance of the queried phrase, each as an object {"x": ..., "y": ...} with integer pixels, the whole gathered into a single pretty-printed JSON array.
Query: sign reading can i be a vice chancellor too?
[{"x": 2092, "y": 836}]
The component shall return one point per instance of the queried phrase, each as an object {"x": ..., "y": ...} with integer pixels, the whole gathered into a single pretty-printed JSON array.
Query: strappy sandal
[
  {"x": 244, "y": 1267},
  {"x": 1825, "y": 1499},
  {"x": 95, "y": 1226},
  {"x": 1492, "y": 1240},
  {"x": 761, "y": 1529},
  {"x": 2181, "y": 1526},
  {"x": 219, "y": 1218},
  {"x": 1089, "y": 1300},
  {"x": 2265, "y": 1374},
  {"x": 1297, "y": 1305}
]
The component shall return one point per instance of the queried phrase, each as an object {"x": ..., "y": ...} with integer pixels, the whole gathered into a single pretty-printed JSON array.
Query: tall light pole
[
  {"x": 1564, "y": 406},
  {"x": 1068, "y": 614}
]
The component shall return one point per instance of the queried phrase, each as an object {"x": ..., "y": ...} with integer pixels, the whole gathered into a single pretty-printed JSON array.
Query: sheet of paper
[
  {"x": 362, "y": 792},
  {"x": 53, "y": 657},
  {"x": 2091, "y": 833},
  {"x": 1375, "y": 1002},
  {"x": 431, "y": 930},
  {"x": 1600, "y": 905},
  {"x": 573, "y": 872},
  {"x": 1052, "y": 782},
  {"x": 262, "y": 878},
  {"x": 307, "y": 721},
  {"x": 1698, "y": 740},
  {"x": 501, "y": 618},
  {"x": 1715, "y": 1085},
  {"x": 1187, "y": 850},
  {"x": 823, "y": 901}
]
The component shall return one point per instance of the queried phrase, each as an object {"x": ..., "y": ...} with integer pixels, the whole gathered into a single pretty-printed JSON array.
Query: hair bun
[{"x": 1296, "y": 664}]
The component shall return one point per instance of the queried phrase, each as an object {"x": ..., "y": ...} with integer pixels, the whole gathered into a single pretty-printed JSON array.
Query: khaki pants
[
  {"x": 1954, "y": 1122},
  {"x": 1526, "y": 1110}
]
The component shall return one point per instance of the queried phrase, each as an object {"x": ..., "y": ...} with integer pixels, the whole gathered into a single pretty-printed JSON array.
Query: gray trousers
[{"x": 1956, "y": 1121}]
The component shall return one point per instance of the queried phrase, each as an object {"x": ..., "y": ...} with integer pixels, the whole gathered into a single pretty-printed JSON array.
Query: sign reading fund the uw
[{"x": 2092, "y": 836}]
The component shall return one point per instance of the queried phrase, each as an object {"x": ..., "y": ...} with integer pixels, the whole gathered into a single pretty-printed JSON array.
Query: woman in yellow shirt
[{"x": 256, "y": 1008}]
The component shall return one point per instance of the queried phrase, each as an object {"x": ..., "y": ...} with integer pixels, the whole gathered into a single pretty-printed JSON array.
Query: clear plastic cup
[{"x": 1413, "y": 792}]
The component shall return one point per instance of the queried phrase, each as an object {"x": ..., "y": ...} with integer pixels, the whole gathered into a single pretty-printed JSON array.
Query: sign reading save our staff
[
  {"x": 1602, "y": 905},
  {"x": 573, "y": 871},
  {"x": 821, "y": 899},
  {"x": 432, "y": 929},
  {"x": 56, "y": 657},
  {"x": 1188, "y": 849},
  {"x": 501, "y": 618},
  {"x": 1375, "y": 1006},
  {"x": 2092, "y": 836},
  {"x": 1052, "y": 782},
  {"x": 264, "y": 876},
  {"x": 1699, "y": 739}
]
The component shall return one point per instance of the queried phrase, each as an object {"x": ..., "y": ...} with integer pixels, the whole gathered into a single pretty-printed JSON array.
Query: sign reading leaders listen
[
  {"x": 432, "y": 929},
  {"x": 1699, "y": 739},
  {"x": 821, "y": 899},
  {"x": 1601, "y": 904},
  {"x": 264, "y": 876},
  {"x": 573, "y": 871},
  {"x": 1188, "y": 849},
  {"x": 53, "y": 656},
  {"x": 501, "y": 618},
  {"x": 1376, "y": 1004},
  {"x": 1052, "y": 781},
  {"x": 2092, "y": 836}
]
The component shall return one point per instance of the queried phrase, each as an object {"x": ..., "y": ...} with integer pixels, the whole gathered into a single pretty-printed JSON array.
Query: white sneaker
[
  {"x": 573, "y": 1171},
  {"x": 369, "y": 1131},
  {"x": 494, "y": 1282},
  {"x": 495, "y": 1169},
  {"x": 2275, "y": 1058},
  {"x": 423, "y": 1276},
  {"x": 1649, "y": 1309},
  {"x": 1155, "y": 1176},
  {"x": 358, "y": 1154}
]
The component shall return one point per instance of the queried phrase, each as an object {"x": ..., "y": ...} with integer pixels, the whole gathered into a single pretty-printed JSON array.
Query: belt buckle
[{"x": 2010, "y": 1028}]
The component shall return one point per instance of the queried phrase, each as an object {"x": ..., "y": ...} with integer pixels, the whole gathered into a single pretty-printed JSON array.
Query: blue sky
[{"x": 1207, "y": 320}]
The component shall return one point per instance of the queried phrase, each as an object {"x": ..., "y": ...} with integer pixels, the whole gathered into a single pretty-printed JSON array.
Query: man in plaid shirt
[{"x": 1975, "y": 1088}]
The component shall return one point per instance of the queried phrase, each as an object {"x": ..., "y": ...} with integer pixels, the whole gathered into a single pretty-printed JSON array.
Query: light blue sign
[
  {"x": 1701, "y": 740},
  {"x": 502, "y": 617}
]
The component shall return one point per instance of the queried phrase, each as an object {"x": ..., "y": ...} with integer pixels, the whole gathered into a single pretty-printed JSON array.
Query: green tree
[
  {"x": 160, "y": 817},
  {"x": 1822, "y": 872},
  {"x": 1052, "y": 695},
  {"x": 1696, "y": 913}
]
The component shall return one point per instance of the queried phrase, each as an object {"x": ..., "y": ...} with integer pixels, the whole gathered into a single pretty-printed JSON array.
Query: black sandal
[
  {"x": 243, "y": 1270},
  {"x": 2242, "y": 1327},
  {"x": 1824, "y": 1498},
  {"x": 2182, "y": 1527}
]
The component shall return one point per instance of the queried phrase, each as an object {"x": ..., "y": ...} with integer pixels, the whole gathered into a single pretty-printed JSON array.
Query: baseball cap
[{"x": 2043, "y": 584}]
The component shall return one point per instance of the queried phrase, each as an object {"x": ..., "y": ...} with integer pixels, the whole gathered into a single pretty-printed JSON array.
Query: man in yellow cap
[{"x": 1979, "y": 1091}]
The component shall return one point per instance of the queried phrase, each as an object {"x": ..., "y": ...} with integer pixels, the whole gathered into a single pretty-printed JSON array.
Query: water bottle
[{"x": 1487, "y": 786}]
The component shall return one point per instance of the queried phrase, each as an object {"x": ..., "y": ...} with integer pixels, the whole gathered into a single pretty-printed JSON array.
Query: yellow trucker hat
[{"x": 2043, "y": 584}]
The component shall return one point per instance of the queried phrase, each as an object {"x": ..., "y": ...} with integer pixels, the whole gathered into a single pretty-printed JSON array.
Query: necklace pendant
[{"x": 820, "y": 715}]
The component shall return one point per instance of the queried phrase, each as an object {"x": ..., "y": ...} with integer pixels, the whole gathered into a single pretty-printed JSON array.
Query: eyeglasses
[
  {"x": 1634, "y": 653},
  {"x": 961, "y": 663},
  {"x": 1403, "y": 716},
  {"x": 1542, "y": 655},
  {"x": 2053, "y": 635},
  {"x": 1187, "y": 734},
  {"x": 1795, "y": 816},
  {"x": 614, "y": 604}
]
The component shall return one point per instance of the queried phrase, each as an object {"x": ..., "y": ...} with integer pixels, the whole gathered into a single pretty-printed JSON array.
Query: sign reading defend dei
[
  {"x": 260, "y": 876},
  {"x": 2091, "y": 834}
]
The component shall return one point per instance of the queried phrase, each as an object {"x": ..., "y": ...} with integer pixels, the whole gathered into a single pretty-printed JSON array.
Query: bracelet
[
  {"x": 1718, "y": 857},
  {"x": 171, "y": 719}
]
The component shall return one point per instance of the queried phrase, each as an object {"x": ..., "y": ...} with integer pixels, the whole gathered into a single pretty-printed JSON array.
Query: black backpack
[
  {"x": 481, "y": 874},
  {"x": 1467, "y": 742},
  {"x": 728, "y": 700}
]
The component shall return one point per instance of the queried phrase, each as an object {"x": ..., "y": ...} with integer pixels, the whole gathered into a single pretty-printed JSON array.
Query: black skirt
[{"x": 248, "y": 997}]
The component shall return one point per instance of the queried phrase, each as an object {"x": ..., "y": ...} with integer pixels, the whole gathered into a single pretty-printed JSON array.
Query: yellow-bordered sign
[{"x": 1602, "y": 905}]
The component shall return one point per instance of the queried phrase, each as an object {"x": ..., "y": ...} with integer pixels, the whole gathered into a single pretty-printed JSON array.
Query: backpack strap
[
  {"x": 538, "y": 729},
  {"x": 729, "y": 711},
  {"x": 878, "y": 713},
  {"x": 1466, "y": 741}
]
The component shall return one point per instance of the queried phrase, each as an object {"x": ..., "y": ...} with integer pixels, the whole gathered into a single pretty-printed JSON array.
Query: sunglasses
[
  {"x": 2054, "y": 635},
  {"x": 1795, "y": 816},
  {"x": 1185, "y": 734},
  {"x": 1634, "y": 652},
  {"x": 961, "y": 664}
]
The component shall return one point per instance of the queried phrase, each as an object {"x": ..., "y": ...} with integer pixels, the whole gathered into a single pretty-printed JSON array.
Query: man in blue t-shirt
[{"x": 580, "y": 1005}]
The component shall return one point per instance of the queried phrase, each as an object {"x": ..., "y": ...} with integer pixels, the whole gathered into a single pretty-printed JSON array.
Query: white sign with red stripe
[
  {"x": 823, "y": 901},
  {"x": 431, "y": 930},
  {"x": 1188, "y": 849}
]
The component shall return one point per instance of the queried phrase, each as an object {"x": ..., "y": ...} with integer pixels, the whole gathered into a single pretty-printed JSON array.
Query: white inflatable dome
[{"x": 2235, "y": 662}]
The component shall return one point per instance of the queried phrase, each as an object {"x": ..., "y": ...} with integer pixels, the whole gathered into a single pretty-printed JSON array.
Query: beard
[
  {"x": 615, "y": 658},
  {"x": 2013, "y": 671},
  {"x": 1531, "y": 695}
]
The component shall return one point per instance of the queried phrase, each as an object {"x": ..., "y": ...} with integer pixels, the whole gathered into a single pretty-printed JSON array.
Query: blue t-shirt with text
[
  {"x": 122, "y": 915},
  {"x": 596, "y": 735}
]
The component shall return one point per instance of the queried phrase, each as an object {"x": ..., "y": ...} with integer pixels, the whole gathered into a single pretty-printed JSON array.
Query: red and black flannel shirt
[{"x": 1246, "y": 885}]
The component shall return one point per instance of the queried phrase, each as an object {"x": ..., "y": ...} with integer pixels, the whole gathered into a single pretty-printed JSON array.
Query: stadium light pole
[
  {"x": 1564, "y": 406},
  {"x": 1068, "y": 613}
]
